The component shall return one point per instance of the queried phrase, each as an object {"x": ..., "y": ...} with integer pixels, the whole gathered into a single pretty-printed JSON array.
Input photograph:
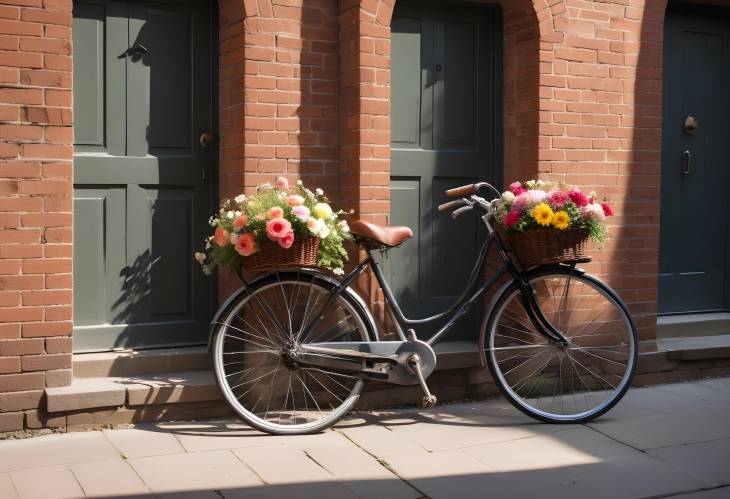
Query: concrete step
[
  {"x": 693, "y": 325},
  {"x": 696, "y": 348},
  {"x": 169, "y": 388},
  {"x": 121, "y": 363}
]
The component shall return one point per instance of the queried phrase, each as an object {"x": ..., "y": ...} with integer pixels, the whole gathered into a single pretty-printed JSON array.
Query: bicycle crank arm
[{"x": 382, "y": 360}]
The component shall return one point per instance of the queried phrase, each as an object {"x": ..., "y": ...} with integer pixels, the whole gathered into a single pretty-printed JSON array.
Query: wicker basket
[
  {"x": 271, "y": 256},
  {"x": 541, "y": 247}
]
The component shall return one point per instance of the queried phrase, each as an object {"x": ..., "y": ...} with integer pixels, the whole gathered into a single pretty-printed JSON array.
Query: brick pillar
[{"x": 35, "y": 203}]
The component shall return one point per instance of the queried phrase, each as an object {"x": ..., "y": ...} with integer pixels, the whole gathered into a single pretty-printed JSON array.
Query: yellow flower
[
  {"x": 543, "y": 214},
  {"x": 322, "y": 210},
  {"x": 561, "y": 220}
]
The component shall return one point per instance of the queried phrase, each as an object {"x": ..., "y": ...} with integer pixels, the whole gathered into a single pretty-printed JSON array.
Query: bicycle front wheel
[
  {"x": 562, "y": 384},
  {"x": 252, "y": 347}
]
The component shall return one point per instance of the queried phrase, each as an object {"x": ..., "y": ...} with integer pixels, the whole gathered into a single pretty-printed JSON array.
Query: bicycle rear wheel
[
  {"x": 253, "y": 345},
  {"x": 562, "y": 384}
]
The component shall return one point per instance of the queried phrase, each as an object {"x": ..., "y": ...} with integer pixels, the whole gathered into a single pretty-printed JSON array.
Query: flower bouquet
[
  {"x": 278, "y": 227},
  {"x": 544, "y": 222}
]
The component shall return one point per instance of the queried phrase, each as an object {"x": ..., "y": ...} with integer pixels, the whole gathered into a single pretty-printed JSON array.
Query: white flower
[
  {"x": 212, "y": 221},
  {"x": 265, "y": 187},
  {"x": 319, "y": 192},
  {"x": 234, "y": 239},
  {"x": 238, "y": 214},
  {"x": 343, "y": 226},
  {"x": 200, "y": 257},
  {"x": 508, "y": 196},
  {"x": 315, "y": 225},
  {"x": 240, "y": 199},
  {"x": 324, "y": 231},
  {"x": 338, "y": 271},
  {"x": 300, "y": 183},
  {"x": 594, "y": 211},
  {"x": 230, "y": 215}
]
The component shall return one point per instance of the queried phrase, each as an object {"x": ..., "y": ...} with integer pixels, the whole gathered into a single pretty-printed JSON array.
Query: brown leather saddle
[{"x": 376, "y": 236}]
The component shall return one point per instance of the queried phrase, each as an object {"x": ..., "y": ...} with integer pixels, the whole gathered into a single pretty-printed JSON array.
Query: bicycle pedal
[{"x": 429, "y": 401}]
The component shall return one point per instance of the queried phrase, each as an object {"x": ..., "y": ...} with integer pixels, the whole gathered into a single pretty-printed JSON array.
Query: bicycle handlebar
[
  {"x": 451, "y": 204},
  {"x": 463, "y": 191}
]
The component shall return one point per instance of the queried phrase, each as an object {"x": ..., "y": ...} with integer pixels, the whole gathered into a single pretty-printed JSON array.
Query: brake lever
[{"x": 457, "y": 213}]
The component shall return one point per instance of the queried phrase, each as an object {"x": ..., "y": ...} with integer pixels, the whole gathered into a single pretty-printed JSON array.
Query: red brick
[
  {"x": 12, "y": 27},
  {"x": 21, "y": 282},
  {"x": 17, "y": 401},
  {"x": 40, "y": 329},
  {"x": 58, "y": 344},
  {"x": 20, "y": 95},
  {"x": 46, "y": 16},
  {"x": 11, "y": 421},
  {"x": 9, "y": 365},
  {"x": 48, "y": 151},
  {"x": 46, "y": 297},
  {"x": 21, "y": 382},
  {"x": 46, "y": 362},
  {"x": 21, "y": 347},
  {"x": 45, "y": 45}
]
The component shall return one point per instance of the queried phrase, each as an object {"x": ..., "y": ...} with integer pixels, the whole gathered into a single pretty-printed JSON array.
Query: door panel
[
  {"x": 694, "y": 220},
  {"x": 141, "y": 193},
  {"x": 445, "y": 101}
]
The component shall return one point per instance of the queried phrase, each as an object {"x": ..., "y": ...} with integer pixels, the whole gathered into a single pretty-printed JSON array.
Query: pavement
[{"x": 662, "y": 441}]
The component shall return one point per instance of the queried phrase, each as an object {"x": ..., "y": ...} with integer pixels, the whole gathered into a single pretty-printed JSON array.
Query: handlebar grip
[
  {"x": 463, "y": 191},
  {"x": 451, "y": 204}
]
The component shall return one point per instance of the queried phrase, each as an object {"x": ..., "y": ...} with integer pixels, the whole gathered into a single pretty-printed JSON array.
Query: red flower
[
  {"x": 511, "y": 218},
  {"x": 607, "y": 210},
  {"x": 578, "y": 198}
]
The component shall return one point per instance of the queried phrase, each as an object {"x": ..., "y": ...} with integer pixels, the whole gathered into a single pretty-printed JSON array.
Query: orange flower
[
  {"x": 221, "y": 236},
  {"x": 240, "y": 222},
  {"x": 246, "y": 244}
]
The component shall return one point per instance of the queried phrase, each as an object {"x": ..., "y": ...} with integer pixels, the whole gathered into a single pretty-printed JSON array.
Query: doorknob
[
  {"x": 686, "y": 161},
  {"x": 206, "y": 138},
  {"x": 690, "y": 125}
]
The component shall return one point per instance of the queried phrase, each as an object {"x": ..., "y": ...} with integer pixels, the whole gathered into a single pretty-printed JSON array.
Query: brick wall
[
  {"x": 304, "y": 91},
  {"x": 35, "y": 201}
]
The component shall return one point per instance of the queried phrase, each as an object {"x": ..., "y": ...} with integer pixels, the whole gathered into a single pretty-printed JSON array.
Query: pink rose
[
  {"x": 276, "y": 212},
  {"x": 240, "y": 222},
  {"x": 294, "y": 200},
  {"x": 282, "y": 184},
  {"x": 277, "y": 228},
  {"x": 287, "y": 240},
  {"x": 221, "y": 236},
  {"x": 246, "y": 244},
  {"x": 558, "y": 199}
]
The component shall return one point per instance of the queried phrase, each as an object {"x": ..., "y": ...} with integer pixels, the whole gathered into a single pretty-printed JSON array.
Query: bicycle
[{"x": 293, "y": 349}]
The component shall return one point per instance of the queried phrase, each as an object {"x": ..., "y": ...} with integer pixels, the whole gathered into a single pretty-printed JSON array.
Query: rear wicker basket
[
  {"x": 271, "y": 256},
  {"x": 541, "y": 247}
]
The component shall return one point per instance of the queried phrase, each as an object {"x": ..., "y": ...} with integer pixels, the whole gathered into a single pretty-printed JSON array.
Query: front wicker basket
[
  {"x": 271, "y": 256},
  {"x": 541, "y": 247}
]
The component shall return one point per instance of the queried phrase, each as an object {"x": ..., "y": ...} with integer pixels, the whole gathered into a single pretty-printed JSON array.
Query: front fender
[{"x": 313, "y": 272}]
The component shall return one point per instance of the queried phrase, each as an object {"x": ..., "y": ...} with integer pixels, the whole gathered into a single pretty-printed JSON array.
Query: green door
[
  {"x": 695, "y": 168},
  {"x": 143, "y": 82},
  {"x": 446, "y": 131}
]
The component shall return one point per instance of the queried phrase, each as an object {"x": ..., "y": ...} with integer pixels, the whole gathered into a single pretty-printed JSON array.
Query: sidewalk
[{"x": 668, "y": 440}]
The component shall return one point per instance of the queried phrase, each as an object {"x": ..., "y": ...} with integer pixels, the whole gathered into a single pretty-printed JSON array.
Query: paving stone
[
  {"x": 196, "y": 471},
  {"x": 378, "y": 485},
  {"x": 708, "y": 459},
  {"x": 7, "y": 489},
  {"x": 50, "y": 450},
  {"x": 236, "y": 435},
  {"x": 112, "y": 478},
  {"x": 722, "y": 384},
  {"x": 343, "y": 460},
  {"x": 720, "y": 493},
  {"x": 449, "y": 474},
  {"x": 381, "y": 441},
  {"x": 580, "y": 463},
  {"x": 56, "y": 482},
  {"x": 143, "y": 441}
]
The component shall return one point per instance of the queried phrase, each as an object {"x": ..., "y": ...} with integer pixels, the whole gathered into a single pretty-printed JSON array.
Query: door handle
[
  {"x": 686, "y": 162},
  {"x": 206, "y": 139}
]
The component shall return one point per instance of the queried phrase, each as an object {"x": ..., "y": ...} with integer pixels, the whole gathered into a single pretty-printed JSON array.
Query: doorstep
[{"x": 109, "y": 392}]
